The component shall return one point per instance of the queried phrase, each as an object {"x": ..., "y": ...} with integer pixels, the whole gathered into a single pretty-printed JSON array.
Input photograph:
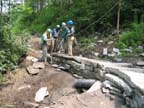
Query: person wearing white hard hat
[{"x": 46, "y": 38}]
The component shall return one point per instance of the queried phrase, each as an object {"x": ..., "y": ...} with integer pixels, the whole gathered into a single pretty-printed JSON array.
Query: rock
[
  {"x": 82, "y": 67},
  {"x": 132, "y": 78},
  {"x": 140, "y": 47},
  {"x": 128, "y": 50},
  {"x": 112, "y": 55},
  {"x": 142, "y": 54},
  {"x": 67, "y": 67},
  {"x": 58, "y": 69},
  {"x": 77, "y": 76},
  {"x": 31, "y": 105},
  {"x": 31, "y": 58},
  {"x": 122, "y": 64},
  {"x": 100, "y": 41},
  {"x": 95, "y": 37},
  {"x": 34, "y": 60},
  {"x": 50, "y": 57},
  {"x": 40, "y": 51},
  {"x": 111, "y": 87},
  {"x": 118, "y": 59},
  {"x": 32, "y": 70},
  {"x": 140, "y": 63},
  {"x": 116, "y": 50},
  {"x": 105, "y": 51},
  {"x": 105, "y": 91},
  {"x": 39, "y": 65},
  {"x": 55, "y": 65},
  {"x": 96, "y": 54},
  {"x": 110, "y": 42},
  {"x": 119, "y": 83},
  {"x": 28, "y": 45},
  {"x": 96, "y": 86},
  {"x": 41, "y": 94},
  {"x": 62, "y": 68},
  {"x": 24, "y": 87}
]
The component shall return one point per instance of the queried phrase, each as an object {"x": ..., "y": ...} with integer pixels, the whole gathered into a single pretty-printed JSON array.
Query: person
[
  {"x": 45, "y": 39},
  {"x": 55, "y": 35},
  {"x": 64, "y": 34},
  {"x": 71, "y": 39}
]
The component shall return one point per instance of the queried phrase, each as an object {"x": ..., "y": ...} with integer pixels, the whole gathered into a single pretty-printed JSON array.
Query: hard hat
[
  {"x": 70, "y": 22},
  {"x": 63, "y": 24},
  {"x": 49, "y": 30},
  {"x": 58, "y": 26}
]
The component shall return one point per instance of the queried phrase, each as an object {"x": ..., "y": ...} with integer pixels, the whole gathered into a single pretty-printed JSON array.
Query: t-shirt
[
  {"x": 44, "y": 38},
  {"x": 72, "y": 30},
  {"x": 55, "y": 33},
  {"x": 65, "y": 32}
]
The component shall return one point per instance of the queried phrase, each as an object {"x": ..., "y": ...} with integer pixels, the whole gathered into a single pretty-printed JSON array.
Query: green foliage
[
  {"x": 2, "y": 79},
  {"x": 36, "y": 16},
  {"x": 133, "y": 38},
  {"x": 11, "y": 48},
  {"x": 45, "y": 18},
  {"x": 87, "y": 43},
  {"x": 21, "y": 18},
  {"x": 83, "y": 12}
]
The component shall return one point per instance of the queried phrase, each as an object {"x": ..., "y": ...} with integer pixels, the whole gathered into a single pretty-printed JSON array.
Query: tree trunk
[
  {"x": 118, "y": 17},
  {"x": 142, "y": 18},
  {"x": 1, "y": 4}
]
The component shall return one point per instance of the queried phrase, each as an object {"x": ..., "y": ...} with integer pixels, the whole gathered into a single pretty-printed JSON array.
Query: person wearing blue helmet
[
  {"x": 71, "y": 39},
  {"x": 46, "y": 39}
]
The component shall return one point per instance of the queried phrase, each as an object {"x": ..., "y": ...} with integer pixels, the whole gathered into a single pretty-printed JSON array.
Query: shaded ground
[{"x": 59, "y": 84}]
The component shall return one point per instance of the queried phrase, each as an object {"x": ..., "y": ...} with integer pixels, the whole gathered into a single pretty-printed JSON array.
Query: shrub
[
  {"x": 12, "y": 48},
  {"x": 87, "y": 43},
  {"x": 132, "y": 38}
]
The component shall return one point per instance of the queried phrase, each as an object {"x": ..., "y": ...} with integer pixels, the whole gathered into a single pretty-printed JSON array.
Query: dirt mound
[
  {"x": 88, "y": 100},
  {"x": 58, "y": 83},
  {"x": 21, "y": 87}
]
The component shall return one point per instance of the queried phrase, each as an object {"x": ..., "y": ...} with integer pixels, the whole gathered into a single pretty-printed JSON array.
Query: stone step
[{"x": 135, "y": 80}]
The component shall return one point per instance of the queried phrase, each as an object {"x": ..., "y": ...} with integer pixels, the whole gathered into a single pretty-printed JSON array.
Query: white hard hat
[
  {"x": 49, "y": 30},
  {"x": 63, "y": 24},
  {"x": 58, "y": 26}
]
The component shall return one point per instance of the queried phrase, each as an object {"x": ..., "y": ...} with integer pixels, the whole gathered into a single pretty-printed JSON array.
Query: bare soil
[{"x": 21, "y": 87}]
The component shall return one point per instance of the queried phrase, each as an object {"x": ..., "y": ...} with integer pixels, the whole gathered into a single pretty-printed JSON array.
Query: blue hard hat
[{"x": 70, "y": 22}]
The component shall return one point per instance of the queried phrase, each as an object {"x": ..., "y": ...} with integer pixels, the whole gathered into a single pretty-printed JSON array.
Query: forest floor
[{"x": 20, "y": 88}]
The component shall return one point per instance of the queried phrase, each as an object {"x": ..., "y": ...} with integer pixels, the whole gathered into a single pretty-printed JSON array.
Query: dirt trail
[{"x": 59, "y": 83}]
